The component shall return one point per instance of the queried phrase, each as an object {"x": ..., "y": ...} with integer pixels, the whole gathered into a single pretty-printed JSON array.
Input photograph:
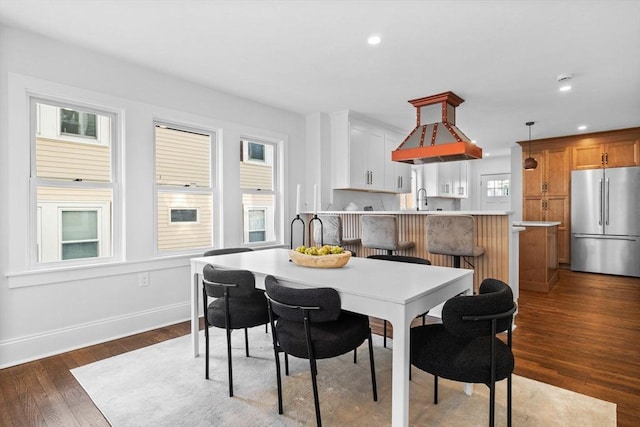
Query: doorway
[{"x": 495, "y": 192}]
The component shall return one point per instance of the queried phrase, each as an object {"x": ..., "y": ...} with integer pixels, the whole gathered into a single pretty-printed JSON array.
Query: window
[
  {"x": 253, "y": 152},
  {"x": 79, "y": 123},
  {"x": 258, "y": 177},
  {"x": 257, "y": 222},
  {"x": 184, "y": 191},
  {"x": 79, "y": 234},
  {"x": 256, "y": 151},
  {"x": 74, "y": 182},
  {"x": 498, "y": 188},
  {"x": 184, "y": 215}
]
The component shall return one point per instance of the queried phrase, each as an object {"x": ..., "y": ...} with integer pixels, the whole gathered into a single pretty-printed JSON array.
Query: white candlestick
[
  {"x": 315, "y": 199},
  {"x": 298, "y": 200}
]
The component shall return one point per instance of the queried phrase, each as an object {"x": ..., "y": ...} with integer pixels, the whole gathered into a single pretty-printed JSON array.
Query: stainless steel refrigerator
[{"x": 605, "y": 221}]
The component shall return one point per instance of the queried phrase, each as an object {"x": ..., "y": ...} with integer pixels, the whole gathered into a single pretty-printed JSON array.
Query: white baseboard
[{"x": 25, "y": 349}]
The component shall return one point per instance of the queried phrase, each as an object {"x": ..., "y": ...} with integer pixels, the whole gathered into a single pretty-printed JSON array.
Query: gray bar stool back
[
  {"x": 381, "y": 232},
  {"x": 331, "y": 233},
  {"x": 452, "y": 235}
]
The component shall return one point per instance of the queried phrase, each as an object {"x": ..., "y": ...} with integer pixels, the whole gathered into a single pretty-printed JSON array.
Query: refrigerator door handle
[
  {"x": 600, "y": 199},
  {"x": 604, "y": 237},
  {"x": 606, "y": 218}
]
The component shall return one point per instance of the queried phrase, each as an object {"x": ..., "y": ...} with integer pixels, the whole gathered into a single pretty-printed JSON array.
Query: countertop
[
  {"x": 535, "y": 223},
  {"x": 413, "y": 212}
]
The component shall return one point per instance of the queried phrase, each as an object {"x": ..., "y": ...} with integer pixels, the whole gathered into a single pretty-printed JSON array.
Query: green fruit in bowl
[
  {"x": 325, "y": 250},
  {"x": 311, "y": 251},
  {"x": 319, "y": 251}
]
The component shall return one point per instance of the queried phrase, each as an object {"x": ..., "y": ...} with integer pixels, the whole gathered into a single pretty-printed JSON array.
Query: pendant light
[{"x": 530, "y": 163}]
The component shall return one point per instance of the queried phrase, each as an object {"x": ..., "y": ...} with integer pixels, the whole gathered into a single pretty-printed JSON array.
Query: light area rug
[{"x": 164, "y": 385}]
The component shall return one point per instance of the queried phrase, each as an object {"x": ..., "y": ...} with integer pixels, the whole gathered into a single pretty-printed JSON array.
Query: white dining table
[{"x": 397, "y": 292}]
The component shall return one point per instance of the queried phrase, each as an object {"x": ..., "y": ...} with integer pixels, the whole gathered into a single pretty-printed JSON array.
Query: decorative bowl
[{"x": 320, "y": 261}]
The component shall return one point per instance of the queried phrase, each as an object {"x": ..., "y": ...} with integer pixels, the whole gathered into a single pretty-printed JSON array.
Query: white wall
[{"x": 48, "y": 312}]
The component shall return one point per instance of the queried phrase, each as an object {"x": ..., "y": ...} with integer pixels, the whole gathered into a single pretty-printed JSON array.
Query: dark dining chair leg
[
  {"x": 314, "y": 383},
  {"x": 276, "y": 353},
  {"x": 206, "y": 352},
  {"x": 435, "y": 390},
  {"x": 206, "y": 334},
  {"x": 509, "y": 401},
  {"x": 373, "y": 369},
  {"x": 246, "y": 342},
  {"x": 355, "y": 355},
  {"x": 312, "y": 366},
  {"x": 278, "y": 380},
  {"x": 286, "y": 364},
  {"x": 229, "y": 362}
]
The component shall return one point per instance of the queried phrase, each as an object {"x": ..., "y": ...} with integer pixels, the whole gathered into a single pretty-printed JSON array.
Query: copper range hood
[{"x": 438, "y": 141}]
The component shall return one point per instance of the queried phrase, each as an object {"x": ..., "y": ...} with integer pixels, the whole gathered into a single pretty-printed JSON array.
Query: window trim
[
  {"x": 277, "y": 182},
  {"x": 115, "y": 130},
  {"x": 212, "y": 191}
]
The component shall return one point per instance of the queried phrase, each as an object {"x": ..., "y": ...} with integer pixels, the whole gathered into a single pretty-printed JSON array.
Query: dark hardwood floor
[{"x": 584, "y": 336}]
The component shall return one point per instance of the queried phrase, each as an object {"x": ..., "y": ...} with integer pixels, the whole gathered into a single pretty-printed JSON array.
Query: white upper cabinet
[
  {"x": 361, "y": 156},
  {"x": 449, "y": 179},
  {"x": 366, "y": 171},
  {"x": 397, "y": 174}
]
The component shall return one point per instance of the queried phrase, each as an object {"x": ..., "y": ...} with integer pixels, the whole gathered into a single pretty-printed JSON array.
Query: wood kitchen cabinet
[
  {"x": 546, "y": 190},
  {"x": 546, "y": 193},
  {"x": 597, "y": 154},
  {"x": 538, "y": 256}
]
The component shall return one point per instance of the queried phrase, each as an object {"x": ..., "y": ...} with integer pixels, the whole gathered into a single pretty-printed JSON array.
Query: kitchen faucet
[{"x": 418, "y": 197}]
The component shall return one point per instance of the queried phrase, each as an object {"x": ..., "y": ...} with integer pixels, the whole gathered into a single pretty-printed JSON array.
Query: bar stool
[
  {"x": 332, "y": 233},
  {"x": 452, "y": 235},
  {"x": 381, "y": 232}
]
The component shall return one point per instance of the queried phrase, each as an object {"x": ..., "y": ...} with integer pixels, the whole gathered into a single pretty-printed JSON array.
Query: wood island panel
[
  {"x": 539, "y": 258},
  {"x": 492, "y": 233}
]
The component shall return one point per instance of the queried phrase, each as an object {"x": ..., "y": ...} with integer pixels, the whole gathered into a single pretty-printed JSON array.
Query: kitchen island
[
  {"x": 538, "y": 255},
  {"x": 493, "y": 232}
]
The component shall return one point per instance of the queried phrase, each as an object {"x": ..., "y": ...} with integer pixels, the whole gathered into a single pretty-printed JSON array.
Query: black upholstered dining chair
[
  {"x": 464, "y": 347},
  {"x": 400, "y": 258},
  {"x": 225, "y": 251},
  {"x": 311, "y": 325},
  {"x": 237, "y": 305}
]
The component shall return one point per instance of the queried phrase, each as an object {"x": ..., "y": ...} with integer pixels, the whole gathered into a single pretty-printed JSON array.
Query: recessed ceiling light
[
  {"x": 564, "y": 82},
  {"x": 582, "y": 127},
  {"x": 374, "y": 39}
]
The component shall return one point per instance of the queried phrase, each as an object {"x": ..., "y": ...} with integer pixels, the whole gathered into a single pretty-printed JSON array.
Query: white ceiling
[{"x": 502, "y": 57}]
